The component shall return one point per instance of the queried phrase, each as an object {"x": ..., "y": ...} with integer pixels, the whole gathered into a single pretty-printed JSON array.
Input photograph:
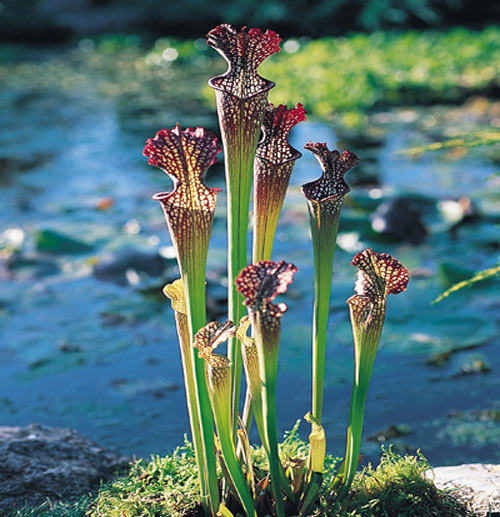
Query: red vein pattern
[
  {"x": 379, "y": 274},
  {"x": 278, "y": 122},
  {"x": 331, "y": 186},
  {"x": 206, "y": 340},
  {"x": 244, "y": 51},
  {"x": 262, "y": 282},
  {"x": 189, "y": 207},
  {"x": 274, "y": 161},
  {"x": 209, "y": 337}
]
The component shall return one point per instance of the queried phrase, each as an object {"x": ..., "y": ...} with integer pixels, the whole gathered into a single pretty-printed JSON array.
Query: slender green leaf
[{"x": 478, "y": 277}]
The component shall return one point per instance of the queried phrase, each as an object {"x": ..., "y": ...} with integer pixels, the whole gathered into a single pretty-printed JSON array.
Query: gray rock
[
  {"x": 475, "y": 484},
  {"x": 38, "y": 462},
  {"x": 400, "y": 219}
]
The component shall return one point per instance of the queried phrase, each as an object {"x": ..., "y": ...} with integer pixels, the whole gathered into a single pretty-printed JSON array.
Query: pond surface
[{"x": 88, "y": 341}]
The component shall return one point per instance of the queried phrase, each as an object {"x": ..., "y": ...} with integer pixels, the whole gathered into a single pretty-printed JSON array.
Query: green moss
[
  {"x": 398, "y": 487},
  {"x": 161, "y": 486},
  {"x": 49, "y": 509}
]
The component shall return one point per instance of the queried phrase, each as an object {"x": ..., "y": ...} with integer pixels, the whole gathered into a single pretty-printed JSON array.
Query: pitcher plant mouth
[
  {"x": 274, "y": 161},
  {"x": 379, "y": 274},
  {"x": 208, "y": 338},
  {"x": 260, "y": 284},
  {"x": 189, "y": 208},
  {"x": 331, "y": 186},
  {"x": 278, "y": 122},
  {"x": 243, "y": 51},
  {"x": 324, "y": 197},
  {"x": 189, "y": 212}
]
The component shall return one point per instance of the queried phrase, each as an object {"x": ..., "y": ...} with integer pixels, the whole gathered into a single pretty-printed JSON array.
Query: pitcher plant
[{"x": 254, "y": 135}]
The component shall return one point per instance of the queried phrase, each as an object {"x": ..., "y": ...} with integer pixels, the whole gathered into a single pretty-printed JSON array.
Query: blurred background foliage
[
  {"x": 57, "y": 20},
  {"x": 348, "y": 75}
]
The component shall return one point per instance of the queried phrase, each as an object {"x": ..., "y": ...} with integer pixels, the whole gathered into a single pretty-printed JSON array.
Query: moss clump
[
  {"x": 398, "y": 487},
  {"x": 159, "y": 487},
  {"x": 168, "y": 487}
]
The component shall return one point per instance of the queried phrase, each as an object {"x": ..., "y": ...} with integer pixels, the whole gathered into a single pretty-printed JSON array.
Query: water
[{"x": 102, "y": 358}]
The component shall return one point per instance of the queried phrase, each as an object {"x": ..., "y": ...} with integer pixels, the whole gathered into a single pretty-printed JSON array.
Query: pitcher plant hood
[
  {"x": 274, "y": 161},
  {"x": 278, "y": 122},
  {"x": 379, "y": 274},
  {"x": 189, "y": 207},
  {"x": 243, "y": 51},
  {"x": 209, "y": 337},
  {"x": 330, "y": 187},
  {"x": 260, "y": 284}
]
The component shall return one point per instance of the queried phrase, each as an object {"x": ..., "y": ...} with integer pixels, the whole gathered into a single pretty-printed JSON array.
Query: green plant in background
[{"x": 212, "y": 380}]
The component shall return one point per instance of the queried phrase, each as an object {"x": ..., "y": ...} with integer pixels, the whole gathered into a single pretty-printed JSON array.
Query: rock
[
  {"x": 399, "y": 219},
  {"x": 42, "y": 462},
  {"x": 393, "y": 431},
  {"x": 120, "y": 268},
  {"x": 477, "y": 485}
]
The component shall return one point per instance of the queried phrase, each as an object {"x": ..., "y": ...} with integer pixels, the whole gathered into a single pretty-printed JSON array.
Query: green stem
[
  {"x": 248, "y": 410},
  {"x": 310, "y": 494},
  {"x": 233, "y": 466},
  {"x": 192, "y": 398},
  {"x": 239, "y": 155},
  {"x": 361, "y": 382},
  {"x": 324, "y": 230},
  {"x": 267, "y": 347},
  {"x": 195, "y": 302},
  {"x": 220, "y": 388}
]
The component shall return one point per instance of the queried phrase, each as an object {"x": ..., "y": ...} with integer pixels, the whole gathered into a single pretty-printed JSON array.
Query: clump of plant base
[
  {"x": 169, "y": 487},
  {"x": 220, "y": 430}
]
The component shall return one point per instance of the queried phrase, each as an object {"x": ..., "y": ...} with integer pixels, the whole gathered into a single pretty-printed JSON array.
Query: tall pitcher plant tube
[
  {"x": 324, "y": 200},
  {"x": 274, "y": 161},
  {"x": 241, "y": 96},
  {"x": 175, "y": 292},
  {"x": 379, "y": 274},
  {"x": 189, "y": 212},
  {"x": 260, "y": 284},
  {"x": 218, "y": 372}
]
